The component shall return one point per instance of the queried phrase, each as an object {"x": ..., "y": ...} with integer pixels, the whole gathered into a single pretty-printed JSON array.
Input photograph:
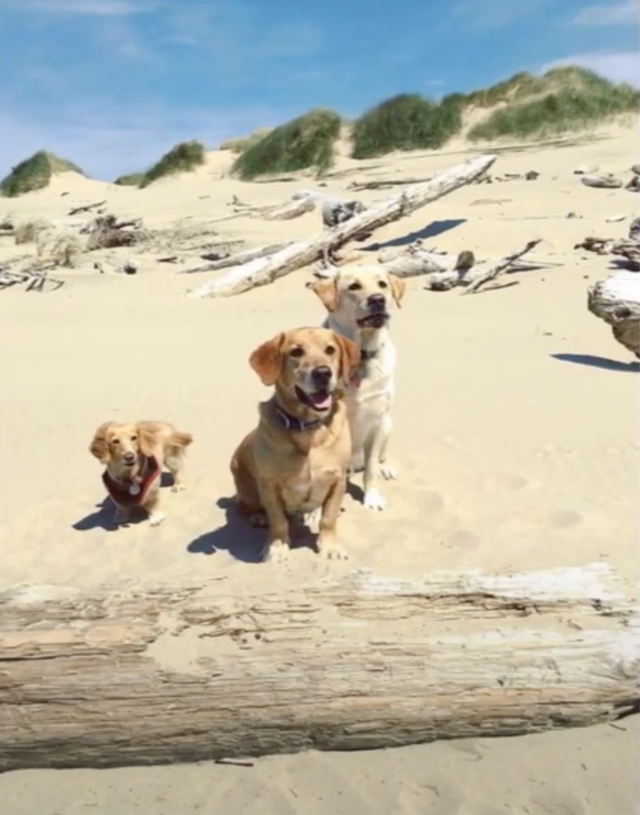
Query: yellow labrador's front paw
[
  {"x": 373, "y": 499},
  {"x": 333, "y": 552},
  {"x": 276, "y": 552},
  {"x": 178, "y": 487},
  {"x": 156, "y": 518},
  {"x": 388, "y": 473}
]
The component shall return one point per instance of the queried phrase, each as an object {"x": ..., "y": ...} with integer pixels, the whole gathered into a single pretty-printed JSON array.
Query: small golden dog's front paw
[
  {"x": 120, "y": 518},
  {"x": 333, "y": 552},
  {"x": 276, "y": 552},
  {"x": 178, "y": 487},
  {"x": 156, "y": 518}
]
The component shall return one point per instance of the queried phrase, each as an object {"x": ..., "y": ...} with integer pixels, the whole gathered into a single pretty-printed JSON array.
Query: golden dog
[
  {"x": 295, "y": 462},
  {"x": 135, "y": 455}
]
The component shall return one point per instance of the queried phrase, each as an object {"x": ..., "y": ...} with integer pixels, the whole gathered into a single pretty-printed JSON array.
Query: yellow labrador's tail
[{"x": 180, "y": 439}]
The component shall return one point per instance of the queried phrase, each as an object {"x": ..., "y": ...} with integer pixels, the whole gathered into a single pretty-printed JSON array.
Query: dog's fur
[
  {"x": 358, "y": 300},
  {"x": 282, "y": 471},
  {"x": 127, "y": 449}
]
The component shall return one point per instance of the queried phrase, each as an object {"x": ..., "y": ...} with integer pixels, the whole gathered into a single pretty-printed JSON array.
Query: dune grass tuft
[
  {"x": 35, "y": 173},
  {"x": 569, "y": 108},
  {"x": 406, "y": 122},
  {"x": 182, "y": 158},
  {"x": 130, "y": 180},
  {"x": 307, "y": 142},
  {"x": 243, "y": 143}
]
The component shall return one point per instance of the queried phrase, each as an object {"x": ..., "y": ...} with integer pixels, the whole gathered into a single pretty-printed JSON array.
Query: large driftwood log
[
  {"x": 128, "y": 675},
  {"x": 616, "y": 300},
  {"x": 302, "y": 253},
  {"x": 239, "y": 257}
]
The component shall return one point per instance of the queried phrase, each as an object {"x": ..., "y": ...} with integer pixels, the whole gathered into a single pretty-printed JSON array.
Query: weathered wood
[
  {"x": 288, "y": 210},
  {"x": 236, "y": 258},
  {"x": 302, "y": 253},
  {"x": 500, "y": 267},
  {"x": 616, "y": 300},
  {"x": 131, "y": 675},
  {"x": 86, "y": 208},
  {"x": 607, "y": 181}
]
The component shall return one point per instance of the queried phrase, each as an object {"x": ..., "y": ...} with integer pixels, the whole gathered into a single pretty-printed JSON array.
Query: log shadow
[
  {"x": 241, "y": 540},
  {"x": 599, "y": 362},
  {"x": 431, "y": 230},
  {"x": 102, "y": 518}
]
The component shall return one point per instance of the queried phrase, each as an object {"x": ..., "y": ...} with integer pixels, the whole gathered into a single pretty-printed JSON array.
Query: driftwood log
[
  {"x": 628, "y": 248},
  {"x": 132, "y": 675},
  {"x": 302, "y": 253},
  {"x": 607, "y": 181},
  {"x": 616, "y": 300},
  {"x": 225, "y": 261}
]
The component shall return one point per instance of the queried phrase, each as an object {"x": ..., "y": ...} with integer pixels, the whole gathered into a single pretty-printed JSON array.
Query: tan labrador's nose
[{"x": 321, "y": 376}]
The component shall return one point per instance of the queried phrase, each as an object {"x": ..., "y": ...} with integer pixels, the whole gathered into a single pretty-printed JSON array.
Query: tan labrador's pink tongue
[{"x": 321, "y": 401}]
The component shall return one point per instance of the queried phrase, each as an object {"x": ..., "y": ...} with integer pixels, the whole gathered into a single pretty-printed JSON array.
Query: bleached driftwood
[
  {"x": 385, "y": 183},
  {"x": 177, "y": 673},
  {"x": 289, "y": 210},
  {"x": 302, "y": 253},
  {"x": 629, "y": 248},
  {"x": 237, "y": 258},
  {"x": 35, "y": 279},
  {"x": 606, "y": 181},
  {"x": 616, "y": 300},
  {"x": 106, "y": 232},
  {"x": 86, "y": 208},
  {"x": 500, "y": 267}
]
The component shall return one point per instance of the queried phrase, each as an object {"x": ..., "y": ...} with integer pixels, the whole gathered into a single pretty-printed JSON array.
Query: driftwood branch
[
  {"x": 106, "y": 232},
  {"x": 606, "y": 181},
  {"x": 133, "y": 675},
  {"x": 225, "y": 261},
  {"x": 35, "y": 279},
  {"x": 86, "y": 208},
  {"x": 628, "y": 248},
  {"x": 302, "y": 253},
  {"x": 500, "y": 267},
  {"x": 616, "y": 300}
]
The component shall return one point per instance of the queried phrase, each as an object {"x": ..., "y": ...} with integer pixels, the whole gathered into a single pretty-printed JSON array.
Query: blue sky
[{"x": 112, "y": 84}]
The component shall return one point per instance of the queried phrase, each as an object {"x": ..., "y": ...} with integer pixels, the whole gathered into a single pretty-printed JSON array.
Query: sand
[{"x": 515, "y": 440}]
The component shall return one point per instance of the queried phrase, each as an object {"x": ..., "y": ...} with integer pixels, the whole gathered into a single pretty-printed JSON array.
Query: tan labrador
[
  {"x": 359, "y": 300},
  {"x": 295, "y": 462},
  {"x": 135, "y": 455}
]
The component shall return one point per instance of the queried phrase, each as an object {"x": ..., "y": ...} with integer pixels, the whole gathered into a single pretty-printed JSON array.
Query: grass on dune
[
  {"x": 35, "y": 173},
  {"x": 243, "y": 143},
  {"x": 182, "y": 158},
  {"x": 307, "y": 142},
  {"x": 130, "y": 180}
]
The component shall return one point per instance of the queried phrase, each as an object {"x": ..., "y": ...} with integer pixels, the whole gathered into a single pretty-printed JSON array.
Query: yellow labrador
[
  {"x": 359, "y": 299},
  {"x": 295, "y": 462}
]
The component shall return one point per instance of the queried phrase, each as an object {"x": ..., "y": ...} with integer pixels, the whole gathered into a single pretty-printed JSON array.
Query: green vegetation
[
  {"x": 555, "y": 112},
  {"x": 406, "y": 122},
  {"x": 306, "y": 142},
  {"x": 182, "y": 158},
  {"x": 240, "y": 145},
  {"x": 130, "y": 180},
  {"x": 35, "y": 173}
]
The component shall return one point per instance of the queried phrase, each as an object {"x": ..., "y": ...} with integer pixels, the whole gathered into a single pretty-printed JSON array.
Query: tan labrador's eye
[
  {"x": 355, "y": 286},
  {"x": 330, "y": 350},
  {"x": 382, "y": 284},
  {"x": 296, "y": 352},
  {"x": 134, "y": 438}
]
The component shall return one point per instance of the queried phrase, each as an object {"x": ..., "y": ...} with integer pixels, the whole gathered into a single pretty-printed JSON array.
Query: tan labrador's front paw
[{"x": 333, "y": 552}]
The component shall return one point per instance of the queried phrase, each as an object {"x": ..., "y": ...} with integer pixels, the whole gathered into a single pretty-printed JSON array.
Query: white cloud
[
  {"x": 94, "y": 8},
  {"x": 608, "y": 14},
  {"x": 618, "y": 66},
  {"x": 494, "y": 14},
  {"x": 107, "y": 142}
]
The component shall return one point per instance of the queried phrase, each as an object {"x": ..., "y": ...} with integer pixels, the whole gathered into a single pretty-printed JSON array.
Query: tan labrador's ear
[
  {"x": 266, "y": 360},
  {"x": 349, "y": 357},
  {"x": 147, "y": 440},
  {"x": 398, "y": 287},
  {"x": 99, "y": 447},
  {"x": 327, "y": 291}
]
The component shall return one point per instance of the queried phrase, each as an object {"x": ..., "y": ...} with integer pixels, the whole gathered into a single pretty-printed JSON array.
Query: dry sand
[{"x": 516, "y": 443}]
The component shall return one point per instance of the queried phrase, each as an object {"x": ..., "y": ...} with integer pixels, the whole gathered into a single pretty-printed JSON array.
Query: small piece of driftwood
[
  {"x": 385, "y": 183},
  {"x": 605, "y": 182},
  {"x": 86, "y": 208},
  {"x": 500, "y": 267},
  {"x": 133, "y": 675},
  {"x": 616, "y": 300},
  {"x": 303, "y": 253},
  {"x": 225, "y": 260},
  {"x": 106, "y": 232}
]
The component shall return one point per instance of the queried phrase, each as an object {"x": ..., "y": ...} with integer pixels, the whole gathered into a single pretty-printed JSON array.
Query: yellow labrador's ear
[
  {"x": 349, "y": 357},
  {"x": 327, "y": 291},
  {"x": 147, "y": 440},
  {"x": 398, "y": 287},
  {"x": 266, "y": 360},
  {"x": 99, "y": 447}
]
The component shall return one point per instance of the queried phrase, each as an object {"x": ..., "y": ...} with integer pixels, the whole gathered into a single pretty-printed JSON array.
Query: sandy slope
[{"x": 516, "y": 442}]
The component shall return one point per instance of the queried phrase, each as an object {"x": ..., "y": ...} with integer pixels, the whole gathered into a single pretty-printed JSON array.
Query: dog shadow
[
  {"x": 243, "y": 541},
  {"x": 431, "y": 230},
  {"x": 599, "y": 362},
  {"x": 104, "y": 513}
]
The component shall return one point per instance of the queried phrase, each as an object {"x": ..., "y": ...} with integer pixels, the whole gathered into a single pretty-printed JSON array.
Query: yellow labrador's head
[
  {"x": 306, "y": 365},
  {"x": 361, "y": 295}
]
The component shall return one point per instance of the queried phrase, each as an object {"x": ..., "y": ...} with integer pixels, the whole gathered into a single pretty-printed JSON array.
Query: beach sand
[{"x": 516, "y": 442}]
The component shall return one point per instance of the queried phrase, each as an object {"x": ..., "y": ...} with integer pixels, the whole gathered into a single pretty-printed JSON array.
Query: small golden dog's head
[
  {"x": 122, "y": 445},
  {"x": 361, "y": 296},
  {"x": 306, "y": 365}
]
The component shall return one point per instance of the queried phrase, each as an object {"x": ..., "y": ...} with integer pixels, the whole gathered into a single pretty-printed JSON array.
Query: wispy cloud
[
  {"x": 92, "y": 8},
  {"x": 494, "y": 14},
  {"x": 608, "y": 14},
  {"x": 618, "y": 66}
]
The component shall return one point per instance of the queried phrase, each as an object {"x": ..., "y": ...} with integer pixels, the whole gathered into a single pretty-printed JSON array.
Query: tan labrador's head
[
  {"x": 306, "y": 365},
  {"x": 361, "y": 296},
  {"x": 121, "y": 444}
]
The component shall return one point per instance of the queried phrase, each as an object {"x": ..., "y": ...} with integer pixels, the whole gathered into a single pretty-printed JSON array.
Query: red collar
[{"x": 135, "y": 491}]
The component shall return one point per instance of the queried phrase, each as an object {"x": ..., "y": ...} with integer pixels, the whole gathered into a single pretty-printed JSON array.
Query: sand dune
[{"x": 516, "y": 443}]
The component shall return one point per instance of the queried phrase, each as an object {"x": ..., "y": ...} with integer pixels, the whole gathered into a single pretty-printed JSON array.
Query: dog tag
[{"x": 134, "y": 489}]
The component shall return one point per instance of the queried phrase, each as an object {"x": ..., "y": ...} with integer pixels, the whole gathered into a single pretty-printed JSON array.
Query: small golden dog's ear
[
  {"x": 266, "y": 360},
  {"x": 99, "y": 447},
  {"x": 398, "y": 287},
  {"x": 327, "y": 291},
  {"x": 147, "y": 441},
  {"x": 349, "y": 357}
]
